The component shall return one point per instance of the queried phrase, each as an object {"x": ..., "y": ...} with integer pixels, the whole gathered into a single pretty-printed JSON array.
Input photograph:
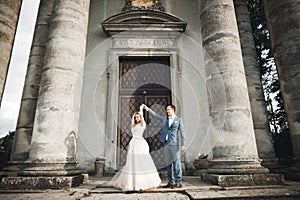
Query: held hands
[{"x": 143, "y": 106}]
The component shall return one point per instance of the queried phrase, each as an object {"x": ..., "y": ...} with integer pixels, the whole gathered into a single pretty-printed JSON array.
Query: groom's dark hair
[{"x": 172, "y": 106}]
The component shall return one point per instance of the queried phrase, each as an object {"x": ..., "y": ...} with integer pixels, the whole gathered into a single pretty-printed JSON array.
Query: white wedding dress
[{"x": 139, "y": 172}]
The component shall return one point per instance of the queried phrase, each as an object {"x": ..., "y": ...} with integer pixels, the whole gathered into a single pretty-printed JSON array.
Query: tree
[
  {"x": 271, "y": 86},
  {"x": 6, "y": 143}
]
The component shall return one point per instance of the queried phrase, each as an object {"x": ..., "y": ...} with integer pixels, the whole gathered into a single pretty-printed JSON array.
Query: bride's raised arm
[
  {"x": 142, "y": 114},
  {"x": 141, "y": 110}
]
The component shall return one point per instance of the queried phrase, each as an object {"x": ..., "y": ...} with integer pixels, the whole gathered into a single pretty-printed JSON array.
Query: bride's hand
[{"x": 142, "y": 107}]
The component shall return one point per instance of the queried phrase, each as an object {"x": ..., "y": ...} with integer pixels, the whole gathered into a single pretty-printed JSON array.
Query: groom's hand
[
  {"x": 145, "y": 107},
  {"x": 182, "y": 148}
]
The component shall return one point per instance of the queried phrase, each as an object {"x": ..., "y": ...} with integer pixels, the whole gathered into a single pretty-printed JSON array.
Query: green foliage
[
  {"x": 271, "y": 86},
  {"x": 267, "y": 65},
  {"x": 6, "y": 143}
]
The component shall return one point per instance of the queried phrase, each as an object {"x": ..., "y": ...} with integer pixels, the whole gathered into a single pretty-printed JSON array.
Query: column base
[
  {"x": 42, "y": 176},
  {"x": 236, "y": 166},
  {"x": 230, "y": 172},
  {"x": 271, "y": 164},
  {"x": 12, "y": 169},
  {"x": 41, "y": 183},
  {"x": 50, "y": 169},
  {"x": 293, "y": 176},
  {"x": 14, "y": 166},
  {"x": 293, "y": 172},
  {"x": 244, "y": 179}
]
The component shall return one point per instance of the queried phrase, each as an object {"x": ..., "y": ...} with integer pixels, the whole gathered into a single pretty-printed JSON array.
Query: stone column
[
  {"x": 284, "y": 25},
  {"x": 55, "y": 129},
  {"x": 235, "y": 158},
  {"x": 263, "y": 135},
  {"x": 8, "y": 23},
  {"x": 22, "y": 140}
]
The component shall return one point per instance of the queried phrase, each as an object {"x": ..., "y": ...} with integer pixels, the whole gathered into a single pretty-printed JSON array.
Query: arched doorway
[{"x": 142, "y": 80}]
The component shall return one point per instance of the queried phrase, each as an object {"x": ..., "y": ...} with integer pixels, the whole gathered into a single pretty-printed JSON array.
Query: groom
[{"x": 169, "y": 137}]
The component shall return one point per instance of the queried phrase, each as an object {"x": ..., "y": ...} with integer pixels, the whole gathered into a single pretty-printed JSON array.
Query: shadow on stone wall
[{"x": 283, "y": 147}]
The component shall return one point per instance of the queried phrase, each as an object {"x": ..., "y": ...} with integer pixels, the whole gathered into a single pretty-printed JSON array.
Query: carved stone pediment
[{"x": 142, "y": 20}]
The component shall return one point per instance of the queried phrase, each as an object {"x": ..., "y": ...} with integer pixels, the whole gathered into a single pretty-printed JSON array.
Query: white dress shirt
[{"x": 171, "y": 120}]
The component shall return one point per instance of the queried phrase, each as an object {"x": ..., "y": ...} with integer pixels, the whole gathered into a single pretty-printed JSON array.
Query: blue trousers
[{"x": 172, "y": 158}]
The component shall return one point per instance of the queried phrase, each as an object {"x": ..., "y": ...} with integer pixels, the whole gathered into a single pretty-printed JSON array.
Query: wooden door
[{"x": 143, "y": 80}]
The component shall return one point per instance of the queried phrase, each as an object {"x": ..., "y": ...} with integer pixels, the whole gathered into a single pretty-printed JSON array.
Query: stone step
[{"x": 266, "y": 194}]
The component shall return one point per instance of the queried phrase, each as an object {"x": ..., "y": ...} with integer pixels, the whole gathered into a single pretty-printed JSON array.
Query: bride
[{"x": 139, "y": 172}]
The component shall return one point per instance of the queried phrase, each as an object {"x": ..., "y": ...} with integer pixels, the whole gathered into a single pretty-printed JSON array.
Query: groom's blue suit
[{"x": 170, "y": 139}]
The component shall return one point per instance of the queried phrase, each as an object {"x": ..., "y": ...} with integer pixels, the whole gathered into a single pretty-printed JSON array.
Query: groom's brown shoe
[
  {"x": 169, "y": 185},
  {"x": 176, "y": 186}
]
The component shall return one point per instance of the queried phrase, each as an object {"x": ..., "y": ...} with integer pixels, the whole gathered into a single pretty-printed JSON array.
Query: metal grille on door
[{"x": 143, "y": 80}]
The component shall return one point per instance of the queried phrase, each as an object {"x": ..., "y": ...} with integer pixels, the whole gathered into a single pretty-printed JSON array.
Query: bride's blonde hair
[{"x": 142, "y": 122}]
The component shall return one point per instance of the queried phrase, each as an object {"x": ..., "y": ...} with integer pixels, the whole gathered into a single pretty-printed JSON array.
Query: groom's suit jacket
[{"x": 171, "y": 131}]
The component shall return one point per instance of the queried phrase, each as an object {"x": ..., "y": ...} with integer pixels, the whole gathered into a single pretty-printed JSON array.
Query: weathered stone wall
[{"x": 8, "y": 23}]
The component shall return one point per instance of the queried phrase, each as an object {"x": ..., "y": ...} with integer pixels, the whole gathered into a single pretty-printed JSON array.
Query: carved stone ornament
[
  {"x": 143, "y": 20},
  {"x": 142, "y": 5}
]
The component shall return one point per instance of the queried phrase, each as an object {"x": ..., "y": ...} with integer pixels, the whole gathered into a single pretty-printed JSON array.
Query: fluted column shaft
[
  {"x": 235, "y": 150},
  {"x": 283, "y": 19},
  {"x": 22, "y": 139},
  {"x": 264, "y": 140},
  {"x": 57, "y": 115},
  {"x": 9, "y": 16}
]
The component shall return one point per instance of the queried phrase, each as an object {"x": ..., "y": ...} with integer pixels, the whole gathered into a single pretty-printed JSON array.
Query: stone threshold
[
  {"x": 203, "y": 193},
  {"x": 266, "y": 194},
  {"x": 194, "y": 188}
]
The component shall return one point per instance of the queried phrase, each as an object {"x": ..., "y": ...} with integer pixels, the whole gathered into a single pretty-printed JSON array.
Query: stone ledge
[
  {"x": 244, "y": 179},
  {"x": 12, "y": 183},
  {"x": 142, "y": 20},
  {"x": 250, "y": 194}
]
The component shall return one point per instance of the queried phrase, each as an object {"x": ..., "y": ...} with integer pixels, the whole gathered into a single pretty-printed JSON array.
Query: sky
[{"x": 10, "y": 105}]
